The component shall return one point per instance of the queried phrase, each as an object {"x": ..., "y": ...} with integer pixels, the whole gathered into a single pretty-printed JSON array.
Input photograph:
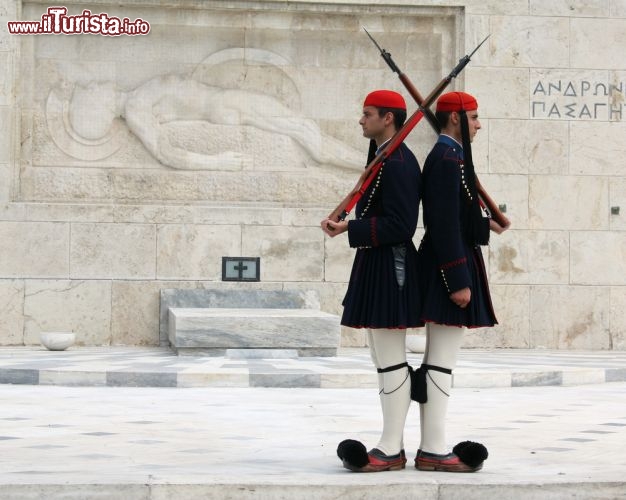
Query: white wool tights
[
  {"x": 442, "y": 347},
  {"x": 388, "y": 348}
]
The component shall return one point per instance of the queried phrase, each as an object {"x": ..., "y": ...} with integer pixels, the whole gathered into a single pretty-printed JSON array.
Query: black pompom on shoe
[
  {"x": 352, "y": 452},
  {"x": 471, "y": 453}
]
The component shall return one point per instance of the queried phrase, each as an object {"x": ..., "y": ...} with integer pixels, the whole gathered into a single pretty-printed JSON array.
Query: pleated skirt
[{"x": 374, "y": 299}]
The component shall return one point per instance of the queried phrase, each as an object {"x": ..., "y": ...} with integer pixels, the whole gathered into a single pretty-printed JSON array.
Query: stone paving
[
  {"x": 352, "y": 368},
  {"x": 557, "y": 441}
]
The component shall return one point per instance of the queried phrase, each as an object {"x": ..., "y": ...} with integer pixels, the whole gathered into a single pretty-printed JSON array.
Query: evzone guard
[
  {"x": 383, "y": 292},
  {"x": 454, "y": 289},
  {"x": 452, "y": 292}
]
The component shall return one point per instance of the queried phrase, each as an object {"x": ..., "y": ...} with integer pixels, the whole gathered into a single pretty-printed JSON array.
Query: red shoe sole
[
  {"x": 428, "y": 465},
  {"x": 391, "y": 466}
]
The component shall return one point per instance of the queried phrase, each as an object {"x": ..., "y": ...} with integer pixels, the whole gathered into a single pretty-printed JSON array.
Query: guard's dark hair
[
  {"x": 399, "y": 115},
  {"x": 443, "y": 117}
]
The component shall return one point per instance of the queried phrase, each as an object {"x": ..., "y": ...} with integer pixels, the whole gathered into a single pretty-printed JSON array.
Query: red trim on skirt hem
[{"x": 382, "y": 327}]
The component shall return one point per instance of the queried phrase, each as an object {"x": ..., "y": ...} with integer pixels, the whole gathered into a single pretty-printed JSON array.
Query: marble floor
[
  {"x": 279, "y": 443},
  {"x": 122, "y": 423}
]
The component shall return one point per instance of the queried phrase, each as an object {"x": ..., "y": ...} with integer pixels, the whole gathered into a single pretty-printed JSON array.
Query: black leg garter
[
  {"x": 418, "y": 381},
  {"x": 392, "y": 369}
]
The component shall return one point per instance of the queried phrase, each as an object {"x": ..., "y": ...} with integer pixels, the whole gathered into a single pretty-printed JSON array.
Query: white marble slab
[{"x": 225, "y": 328}]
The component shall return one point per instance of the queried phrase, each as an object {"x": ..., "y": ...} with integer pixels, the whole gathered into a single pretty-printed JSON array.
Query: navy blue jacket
[
  {"x": 448, "y": 262},
  {"x": 386, "y": 216}
]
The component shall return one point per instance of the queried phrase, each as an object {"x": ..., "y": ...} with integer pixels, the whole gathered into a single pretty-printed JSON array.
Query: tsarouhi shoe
[
  {"x": 355, "y": 458},
  {"x": 379, "y": 462},
  {"x": 466, "y": 456}
]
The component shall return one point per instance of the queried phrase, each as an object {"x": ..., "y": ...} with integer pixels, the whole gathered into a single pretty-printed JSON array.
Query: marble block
[
  {"x": 215, "y": 330},
  {"x": 232, "y": 297}
]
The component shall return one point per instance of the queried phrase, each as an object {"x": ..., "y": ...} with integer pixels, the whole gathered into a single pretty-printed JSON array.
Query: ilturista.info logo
[{"x": 56, "y": 21}]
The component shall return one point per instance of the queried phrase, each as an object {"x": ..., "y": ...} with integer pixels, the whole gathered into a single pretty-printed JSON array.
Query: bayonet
[{"x": 464, "y": 60}]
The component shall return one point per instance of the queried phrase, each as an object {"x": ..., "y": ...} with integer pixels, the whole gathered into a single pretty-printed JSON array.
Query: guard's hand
[
  {"x": 497, "y": 228},
  {"x": 461, "y": 297},
  {"x": 333, "y": 228}
]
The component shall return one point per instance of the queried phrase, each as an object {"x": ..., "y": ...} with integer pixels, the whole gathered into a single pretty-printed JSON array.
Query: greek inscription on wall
[{"x": 563, "y": 99}]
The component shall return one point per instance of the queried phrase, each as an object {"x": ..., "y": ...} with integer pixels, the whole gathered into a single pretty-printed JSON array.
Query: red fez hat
[
  {"x": 385, "y": 99},
  {"x": 456, "y": 101}
]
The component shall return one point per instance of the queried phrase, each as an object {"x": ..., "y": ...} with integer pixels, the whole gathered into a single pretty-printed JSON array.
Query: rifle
[
  {"x": 487, "y": 201},
  {"x": 373, "y": 167}
]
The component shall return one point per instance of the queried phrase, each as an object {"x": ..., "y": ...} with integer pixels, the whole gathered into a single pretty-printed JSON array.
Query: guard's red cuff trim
[
  {"x": 454, "y": 263},
  {"x": 373, "y": 232}
]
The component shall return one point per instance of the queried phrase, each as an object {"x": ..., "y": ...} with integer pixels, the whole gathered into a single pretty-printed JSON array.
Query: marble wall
[{"x": 130, "y": 164}]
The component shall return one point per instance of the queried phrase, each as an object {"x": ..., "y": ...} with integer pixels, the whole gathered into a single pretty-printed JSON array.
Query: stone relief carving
[
  {"x": 94, "y": 133},
  {"x": 89, "y": 124}
]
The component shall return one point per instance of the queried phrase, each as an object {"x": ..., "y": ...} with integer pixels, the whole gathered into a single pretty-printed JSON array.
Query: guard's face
[
  {"x": 473, "y": 123},
  {"x": 372, "y": 123}
]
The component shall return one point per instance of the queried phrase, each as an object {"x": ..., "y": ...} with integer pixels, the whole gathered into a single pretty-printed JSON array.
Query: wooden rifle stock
[{"x": 494, "y": 210}]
